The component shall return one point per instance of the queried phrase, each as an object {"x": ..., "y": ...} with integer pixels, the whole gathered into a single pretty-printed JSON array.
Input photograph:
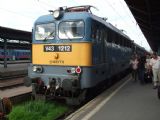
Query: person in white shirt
[
  {"x": 147, "y": 64},
  {"x": 155, "y": 65},
  {"x": 148, "y": 69},
  {"x": 134, "y": 63}
]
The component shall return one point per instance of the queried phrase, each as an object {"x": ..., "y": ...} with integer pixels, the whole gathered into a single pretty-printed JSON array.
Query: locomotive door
[
  {"x": 99, "y": 50},
  {"x": 98, "y": 45}
]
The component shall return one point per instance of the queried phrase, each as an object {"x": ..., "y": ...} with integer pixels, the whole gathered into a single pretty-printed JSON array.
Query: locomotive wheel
[
  {"x": 158, "y": 91},
  {"x": 76, "y": 100}
]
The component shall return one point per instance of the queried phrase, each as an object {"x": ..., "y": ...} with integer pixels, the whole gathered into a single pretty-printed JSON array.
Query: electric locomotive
[{"x": 74, "y": 50}]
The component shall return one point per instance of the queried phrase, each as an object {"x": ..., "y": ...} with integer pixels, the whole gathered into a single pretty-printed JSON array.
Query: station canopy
[
  {"x": 13, "y": 34},
  {"x": 147, "y": 15},
  {"x": 15, "y": 39}
]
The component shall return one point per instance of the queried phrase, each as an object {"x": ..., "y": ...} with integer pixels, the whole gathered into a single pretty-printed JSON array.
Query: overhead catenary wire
[
  {"x": 24, "y": 15},
  {"x": 128, "y": 12},
  {"x": 124, "y": 20},
  {"x": 140, "y": 35},
  {"x": 17, "y": 13},
  {"x": 38, "y": 3}
]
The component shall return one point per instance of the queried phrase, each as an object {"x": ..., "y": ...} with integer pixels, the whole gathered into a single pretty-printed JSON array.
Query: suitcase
[
  {"x": 158, "y": 91},
  {"x": 148, "y": 76}
]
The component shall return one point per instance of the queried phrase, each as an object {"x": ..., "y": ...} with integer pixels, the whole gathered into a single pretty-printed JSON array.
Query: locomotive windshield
[
  {"x": 71, "y": 30},
  {"x": 45, "y": 31}
]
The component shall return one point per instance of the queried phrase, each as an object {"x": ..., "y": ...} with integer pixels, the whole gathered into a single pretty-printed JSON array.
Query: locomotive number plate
[{"x": 57, "y": 48}]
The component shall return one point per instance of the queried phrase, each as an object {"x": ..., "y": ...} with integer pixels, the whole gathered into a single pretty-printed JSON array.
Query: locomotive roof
[
  {"x": 81, "y": 15},
  {"x": 109, "y": 25}
]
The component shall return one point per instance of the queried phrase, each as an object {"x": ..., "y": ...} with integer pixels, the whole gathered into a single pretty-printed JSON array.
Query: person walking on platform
[
  {"x": 141, "y": 68},
  {"x": 148, "y": 71},
  {"x": 155, "y": 65},
  {"x": 134, "y": 64}
]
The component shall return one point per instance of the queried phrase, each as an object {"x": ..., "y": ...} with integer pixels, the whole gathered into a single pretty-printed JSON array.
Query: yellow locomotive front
[{"x": 60, "y": 55}]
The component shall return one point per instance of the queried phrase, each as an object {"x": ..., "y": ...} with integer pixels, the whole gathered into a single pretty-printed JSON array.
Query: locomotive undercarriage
[{"x": 67, "y": 89}]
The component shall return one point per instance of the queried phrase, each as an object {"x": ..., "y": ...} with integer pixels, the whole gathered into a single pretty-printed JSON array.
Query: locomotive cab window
[
  {"x": 71, "y": 30},
  {"x": 45, "y": 31}
]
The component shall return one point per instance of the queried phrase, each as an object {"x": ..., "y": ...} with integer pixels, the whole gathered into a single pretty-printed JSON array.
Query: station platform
[
  {"x": 13, "y": 69},
  {"x": 126, "y": 100}
]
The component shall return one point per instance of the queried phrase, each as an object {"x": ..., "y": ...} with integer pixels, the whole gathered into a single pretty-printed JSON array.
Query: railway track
[
  {"x": 8, "y": 102},
  {"x": 11, "y": 77},
  {"x": 20, "y": 98},
  {"x": 11, "y": 81}
]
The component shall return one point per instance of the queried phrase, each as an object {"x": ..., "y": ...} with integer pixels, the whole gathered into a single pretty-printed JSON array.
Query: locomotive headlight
[
  {"x": 57, "y": 14},
  {"x": 37, "y": 69},
  {"x": 34, "y": 68}
]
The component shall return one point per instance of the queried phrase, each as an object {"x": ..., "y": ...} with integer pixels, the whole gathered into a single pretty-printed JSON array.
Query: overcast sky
[{"x": 21, "y": 14}]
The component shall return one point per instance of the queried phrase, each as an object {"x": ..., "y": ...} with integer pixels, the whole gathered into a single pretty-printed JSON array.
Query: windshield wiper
[
  {"x": 49, "y": 35},
  {"x": 66, "y": 35}
]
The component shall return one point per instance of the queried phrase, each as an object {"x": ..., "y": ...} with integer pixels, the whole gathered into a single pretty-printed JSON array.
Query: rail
[{"x": 11, "y": 81}]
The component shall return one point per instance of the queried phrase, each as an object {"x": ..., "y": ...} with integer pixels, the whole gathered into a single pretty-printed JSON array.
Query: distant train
[
  {"x": 74, "y": 51},
  {"x": 15, "y": 54}
]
